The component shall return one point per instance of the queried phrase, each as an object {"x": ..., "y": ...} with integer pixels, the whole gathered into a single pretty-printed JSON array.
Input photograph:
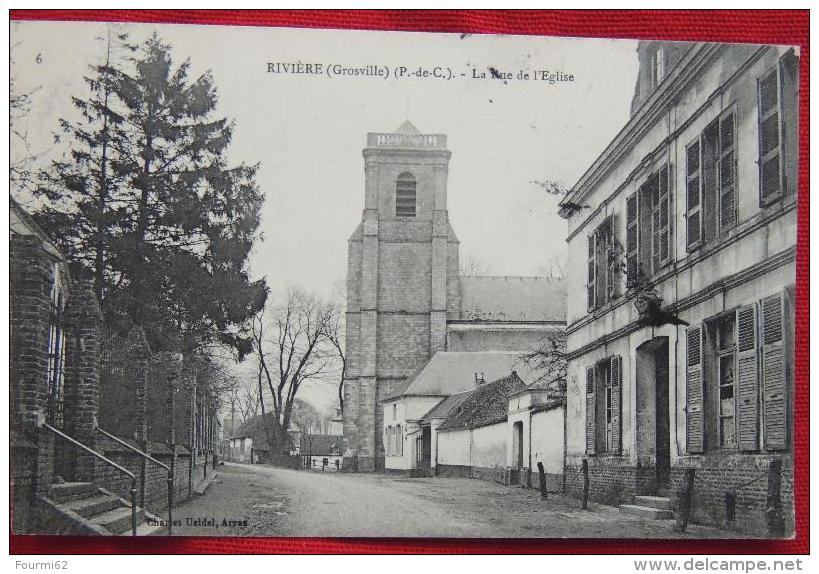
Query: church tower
[{"x": 402, "y": 280}]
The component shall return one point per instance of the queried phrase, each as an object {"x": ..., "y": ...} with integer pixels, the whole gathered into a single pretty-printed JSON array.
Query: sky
[{"x": 307, "y": 131}]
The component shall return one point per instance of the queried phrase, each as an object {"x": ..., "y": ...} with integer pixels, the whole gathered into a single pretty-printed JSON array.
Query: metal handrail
[
  {"x": 109, "y": 462},
  {"x": 148, "y": 457}
]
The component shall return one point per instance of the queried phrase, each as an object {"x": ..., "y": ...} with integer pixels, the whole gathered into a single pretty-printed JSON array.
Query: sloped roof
[
  {"x": 442, "y": 409},
  {"x": 323, "y": 444},
  {"x": 451, "y": 372},
  {"x": 548, "y": 405},
  {"x": 21, "y": 223},
  {"x": 485, "y": 405},
  {"x": 407, "y": 128},
  {"x": 254, "y": 428},
  {"x": 529, "y": 299}
]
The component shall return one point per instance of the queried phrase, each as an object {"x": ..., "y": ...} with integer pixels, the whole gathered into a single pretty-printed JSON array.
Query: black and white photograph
[{"x": 281, "y": 282}]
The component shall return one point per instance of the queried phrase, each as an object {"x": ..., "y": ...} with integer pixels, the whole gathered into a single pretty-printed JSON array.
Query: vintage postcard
[{"x": 327, "y": 283}]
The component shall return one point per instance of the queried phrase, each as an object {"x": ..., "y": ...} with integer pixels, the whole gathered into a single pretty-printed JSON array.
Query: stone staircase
[
  {"x": 653, "y": 507},
  {"x": 84, "y": 508}
]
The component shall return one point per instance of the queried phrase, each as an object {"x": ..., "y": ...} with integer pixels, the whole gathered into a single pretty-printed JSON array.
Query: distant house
[
  {"x": 472, "y": 441},
  {"x": 248, "y": 444},
  {"x": 408, "y": 432},
  {"x": 324, "y": 451}
]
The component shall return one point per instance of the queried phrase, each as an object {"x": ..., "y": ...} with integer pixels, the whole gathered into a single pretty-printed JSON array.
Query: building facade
[
  {"x": 405, "y": 299},
  {"x": 401, "y": 279},
  {"x": 682, "y": 243}
]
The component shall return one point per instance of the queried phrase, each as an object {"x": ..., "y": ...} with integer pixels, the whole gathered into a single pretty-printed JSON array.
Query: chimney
[{"x": 478, "y": 378}]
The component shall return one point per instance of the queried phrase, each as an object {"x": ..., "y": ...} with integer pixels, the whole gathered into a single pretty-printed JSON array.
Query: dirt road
[{"x": 257, "y": 500}]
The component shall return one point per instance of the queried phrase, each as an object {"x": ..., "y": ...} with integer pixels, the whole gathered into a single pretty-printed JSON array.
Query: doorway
[
  {"x": 653, "y": 423},
  {"x": 517, "y": 442},
  {"x": 423, "y": 451}
]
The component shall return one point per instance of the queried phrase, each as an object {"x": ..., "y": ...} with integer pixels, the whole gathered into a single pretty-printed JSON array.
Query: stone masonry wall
[
  {"x": 156, "y": 477},
  {"x": 613, "y": 481}
]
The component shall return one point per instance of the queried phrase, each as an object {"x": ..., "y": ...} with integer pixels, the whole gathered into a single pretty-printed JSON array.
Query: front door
[
  {"x": 518, "y": 438},
  {"x": 653, "y": 424},
  {"x": 426, "y": 450},
  {"x": 663, "y": 432}
]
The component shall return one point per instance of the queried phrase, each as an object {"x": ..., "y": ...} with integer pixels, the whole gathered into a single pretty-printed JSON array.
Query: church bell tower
[{"x": 402, "y": 280}]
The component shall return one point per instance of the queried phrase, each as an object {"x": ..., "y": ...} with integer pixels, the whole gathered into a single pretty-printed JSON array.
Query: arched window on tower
[{"x": 405, "y": 195}]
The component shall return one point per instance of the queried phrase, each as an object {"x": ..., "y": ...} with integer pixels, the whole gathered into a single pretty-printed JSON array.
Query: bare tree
[
  {"x": 289, "y": 344},
  {"x": 549, "y": 360},
  {"x": 248, "y": 403},
  {"x": 22, "y": 159},
  {"x": 335, "y": 337}
]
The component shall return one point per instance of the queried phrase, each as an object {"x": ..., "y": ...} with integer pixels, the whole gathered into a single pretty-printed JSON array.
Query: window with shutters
[
  {"x": 604, "y": 393},
  {"x": 603, "y": 406},
  {"x": 405, "y": 195},
  {"x": 711, "y": 191},
  {"x": 777, "y": 102},
  {"x": 657, "y": 68},
  {"x": 738, "y": 375},
  {"x": 648, "y": 228},
  {"x": 603, "y": 265},
  {"x": 726, "y": 368},
  {"x": 693, "y": 194}
]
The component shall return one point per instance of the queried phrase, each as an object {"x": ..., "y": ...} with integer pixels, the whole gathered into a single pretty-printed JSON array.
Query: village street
[{"x": 268, "y": 501}]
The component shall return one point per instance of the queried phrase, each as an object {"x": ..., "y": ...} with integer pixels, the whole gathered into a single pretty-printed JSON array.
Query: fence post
[
  {"x": 774, "y": 519},
  {"x": 542, "y": 481},
  {"x": 585, "y": 469},
  {"x": 684, "y": 500},
  {"x": 730, "y": 509}
]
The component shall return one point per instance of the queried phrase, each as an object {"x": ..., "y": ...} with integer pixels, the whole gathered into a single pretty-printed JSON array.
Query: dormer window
[
  {"x": 405, "y": 195},
  {"x": 657, "y": 69}
]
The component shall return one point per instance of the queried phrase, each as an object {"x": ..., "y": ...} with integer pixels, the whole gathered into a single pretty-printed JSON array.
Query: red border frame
[{"x": 765, "y": 27}]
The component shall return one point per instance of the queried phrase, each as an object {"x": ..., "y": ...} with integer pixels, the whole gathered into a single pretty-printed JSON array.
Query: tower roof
[
  {"x": 407, "y": 136},
  {"x": 407, "y": 129}
]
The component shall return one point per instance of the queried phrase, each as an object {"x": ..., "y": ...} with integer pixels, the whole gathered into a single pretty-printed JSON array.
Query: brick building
[
  {"x": 69, "y": 378},
  {"x": 682, "y": 243},
  {"x": 405, "y": 299}
]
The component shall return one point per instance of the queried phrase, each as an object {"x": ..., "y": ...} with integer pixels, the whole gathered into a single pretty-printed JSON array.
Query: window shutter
[
  {"x": 789, "y": 80},
  {"x": 399, "y": 438},
  {"x": 694, "y": 420},
  {"x": 616, "y": 408},
  {"x": 591, "y": 281},
  {"x": 693, "y": 191},
  {"x": 664, "y": 211},
  {"x": 631, "y": 241},
  {"x": 612, "y": 263},
  {"x": 770, "y": 138},
  {"x": 748, "y": 382},
  {"x": 727, "y": 171},
  {"x": 591, "y": 418},
  {"x": 601, "y": 261},
  {"x": 774, "y": 386}
]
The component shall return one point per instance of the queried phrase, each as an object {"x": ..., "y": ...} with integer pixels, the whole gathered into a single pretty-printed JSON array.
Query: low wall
[
  {"x": 156, "y": 477},
  {"x": 614, "y": 481},
  {"x": 746, "y": 477},
  {"x": 21, "y": 466}
]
